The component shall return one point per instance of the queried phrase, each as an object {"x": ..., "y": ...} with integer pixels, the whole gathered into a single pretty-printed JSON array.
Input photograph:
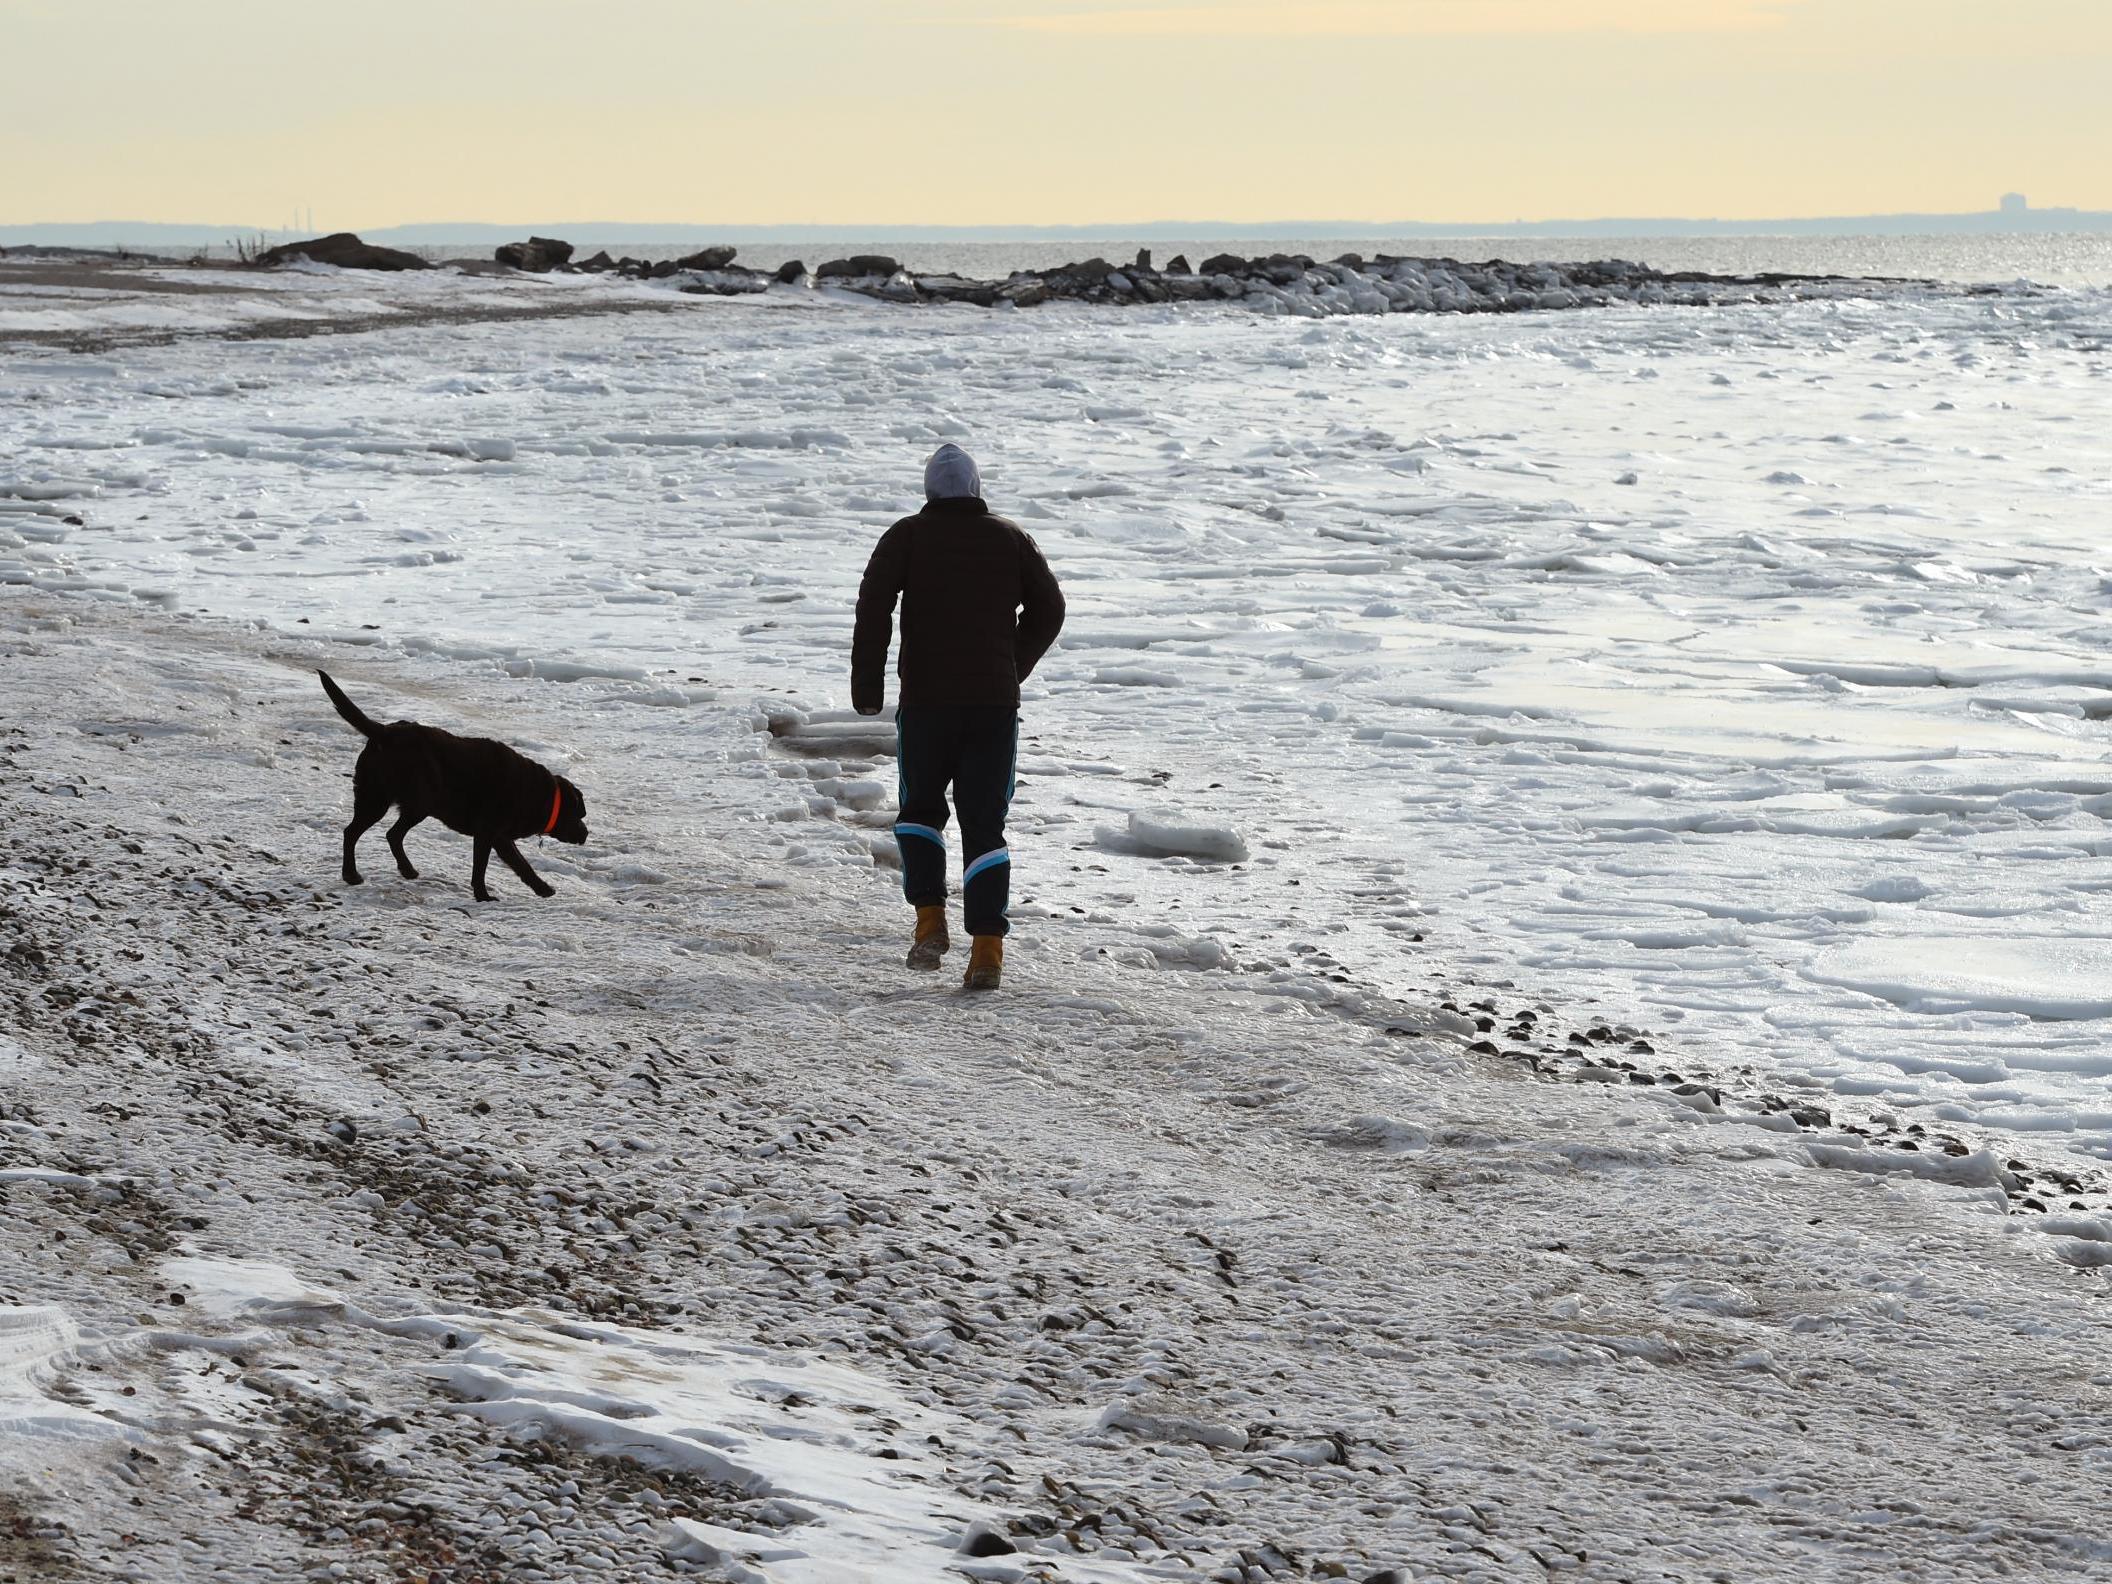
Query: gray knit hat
[{"x": 951, "y": 474}]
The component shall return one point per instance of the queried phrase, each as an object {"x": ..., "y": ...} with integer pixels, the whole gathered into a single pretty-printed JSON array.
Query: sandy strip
[
  {"x": 94, "y": 307},
  {"x": 378, "y": 1231}
]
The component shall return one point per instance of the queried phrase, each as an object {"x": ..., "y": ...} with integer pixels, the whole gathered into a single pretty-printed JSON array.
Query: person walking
[{"x": 979, "y": 610}]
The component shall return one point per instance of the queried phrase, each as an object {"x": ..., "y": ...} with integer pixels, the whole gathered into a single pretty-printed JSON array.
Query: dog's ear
[{"x": 575, "y": 801}]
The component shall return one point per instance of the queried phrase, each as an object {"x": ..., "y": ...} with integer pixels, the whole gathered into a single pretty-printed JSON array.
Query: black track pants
[{"x": 970, "y": 749}]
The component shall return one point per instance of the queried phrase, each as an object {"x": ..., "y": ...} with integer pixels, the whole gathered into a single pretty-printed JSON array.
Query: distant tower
[{"x": 2014, "y": 204}]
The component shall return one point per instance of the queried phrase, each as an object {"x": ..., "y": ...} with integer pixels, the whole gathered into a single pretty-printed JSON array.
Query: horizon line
[{"x": 1333, "y": 228}]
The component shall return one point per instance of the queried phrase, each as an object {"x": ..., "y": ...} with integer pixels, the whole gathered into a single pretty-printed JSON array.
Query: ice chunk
[
  {"x": 1154, "y": 837},
  {"x": 36, "y": 1342},
  {"x": 1977, "y": 1170},
  {"x": 2049, "y": 977},
  {"x": 1134, "y": 676}
]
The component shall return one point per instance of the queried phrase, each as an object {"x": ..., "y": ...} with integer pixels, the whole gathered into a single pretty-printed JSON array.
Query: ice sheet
[{"x": 1369, "y": 593}]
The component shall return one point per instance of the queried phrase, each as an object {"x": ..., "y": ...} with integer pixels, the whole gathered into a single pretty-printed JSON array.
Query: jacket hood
[{"x": 951, "y": 474}]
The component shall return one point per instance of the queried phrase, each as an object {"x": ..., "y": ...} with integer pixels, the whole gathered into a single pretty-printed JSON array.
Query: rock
[
  {"x": 858, "y": 265},
  {"x": 711, "y": 258},
  {"x": 1093, "y": 269},
  {"x": 1178, "y": 265},
  {"x": 342, "y": 249},
  {"x": 1353, "y": 261},
  {"x": 539, "y": 255},
  {"x": 982, "y": 1540},
  {"x": 953, "y": 289},
  {"x": 1143, "y": 264},
  {"x": 1224, "y": 264},
  {"x": 789, "y": 272},
  {"x": 343, "y": 1130},
  {"x": 896, "y": 288},
  {"x": 600, "y": 261}
]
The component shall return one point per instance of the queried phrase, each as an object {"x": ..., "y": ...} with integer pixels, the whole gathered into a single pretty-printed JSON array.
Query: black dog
[{"x": 473, "y": 785}]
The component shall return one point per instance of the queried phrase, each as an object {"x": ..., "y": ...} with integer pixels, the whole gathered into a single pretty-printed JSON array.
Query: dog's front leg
[
  {"x": 519, "y": 866},
  {"x": 477, "y": 867},
  {"x": 366, "y": 813}
]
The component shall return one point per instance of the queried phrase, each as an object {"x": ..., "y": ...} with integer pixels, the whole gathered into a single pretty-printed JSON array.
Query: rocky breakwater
[
  {"x": 1279, "y": 283},
  {"x": 1294, "y": 284},
  {"x": 708, "y": 272}
]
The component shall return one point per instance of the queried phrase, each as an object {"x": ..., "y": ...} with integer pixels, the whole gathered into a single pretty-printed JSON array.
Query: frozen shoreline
[
  {"x": 404, "y": 1233},
  {"x": 1737, "y": 669}
]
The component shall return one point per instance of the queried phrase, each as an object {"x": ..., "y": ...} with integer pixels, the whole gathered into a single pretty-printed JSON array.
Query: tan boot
[
  {"x": 931, "y": 943},
  {"x": 986, "y": 963}
]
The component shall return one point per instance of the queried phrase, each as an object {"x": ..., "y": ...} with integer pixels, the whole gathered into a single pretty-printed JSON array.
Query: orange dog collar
[{"x": 557, "y": 803}]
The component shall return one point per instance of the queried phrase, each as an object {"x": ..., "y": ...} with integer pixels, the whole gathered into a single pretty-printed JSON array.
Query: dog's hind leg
[
  {"x": 477, "y": 866},
  {"x": 402, "y": 828},
  {"x": 519, "y": 866},
  {"x": 367, "y": 809}
]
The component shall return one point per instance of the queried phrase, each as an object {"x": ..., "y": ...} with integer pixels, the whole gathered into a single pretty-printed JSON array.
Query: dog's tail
[{"x": 347, "y": 708}]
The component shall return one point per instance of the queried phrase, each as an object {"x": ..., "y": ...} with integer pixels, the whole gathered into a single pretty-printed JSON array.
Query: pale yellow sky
[{"x": 996, "y": 112}]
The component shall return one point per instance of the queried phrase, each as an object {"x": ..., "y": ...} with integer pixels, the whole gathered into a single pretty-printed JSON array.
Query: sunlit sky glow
[{"x": 1013, "y": 112}]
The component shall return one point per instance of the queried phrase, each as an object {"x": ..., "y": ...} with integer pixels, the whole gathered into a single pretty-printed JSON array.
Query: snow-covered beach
[{"x": 1726, "y": 689}]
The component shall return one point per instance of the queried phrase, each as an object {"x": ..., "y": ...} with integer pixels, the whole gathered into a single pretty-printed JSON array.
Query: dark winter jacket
[{"x": 979, "y": 609}]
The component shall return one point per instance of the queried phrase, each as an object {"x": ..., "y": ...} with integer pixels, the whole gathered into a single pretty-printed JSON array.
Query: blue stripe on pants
[
  {"x": 989, "y": 860},
  {"x": 969, "y": 751}
]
